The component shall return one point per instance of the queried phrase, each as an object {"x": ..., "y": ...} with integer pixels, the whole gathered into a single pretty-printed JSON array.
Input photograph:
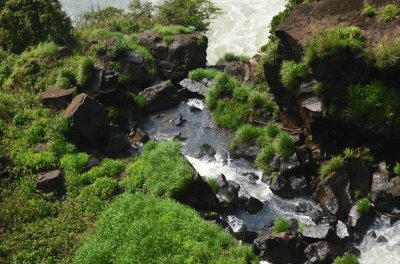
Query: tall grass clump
[
  {"x": 281, "y": 225},
  {"x": 346, "y": 259},
  {"x": 233, "y": 57},
  {"x": 369, "y": 10},
  {"x": 293, "y": 74},
  {"x": 285, "y": 146},
  {"x": 363, "y": 206},
  {"x": 199, "y": 74},
  {"x": 171, "y": 30},
  {"x": 85, "y": 70},
  {"x": 397, "y": 169},
  {"x": 331, "y": 166},
  {"x": 129, "y": 229},
  {"x": 389, "y": 13},
  {"x": 246, "y": 134}
]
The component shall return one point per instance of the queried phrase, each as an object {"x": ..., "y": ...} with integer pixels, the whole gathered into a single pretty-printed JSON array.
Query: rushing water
[{"x": 242, "y": 27}]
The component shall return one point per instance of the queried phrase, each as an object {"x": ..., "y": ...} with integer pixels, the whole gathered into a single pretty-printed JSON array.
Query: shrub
[
  {"x": 363, "y": 206},
  {"x": 171, "y": 30},
  {"x": 369, "y": 10},
  {"x": 230, "y": 114},
  {"x": 397, "y": 169},
  {"x": 199, "y": 74},
  {"x": 273, "y": 130},
  {"x": 264, "y": 157},
  {"x": 246, "y": 134},
  {"x": 374, "y": 103},
  {"x": 26, "y": 23},
  {"x": 281, "y": 225},
  {"x": 85, "y": 70},
  {"x": 160, "y": 171},
  {"x": 385, "y": 54},
  {"x": 285, "y": 146},
  {"x": 74, "y": 163},
  {"x": 233, "y": 57},
  {"x": 389, "y": 13},
  {"x": 292, "y": 74},
  {"x": 261, "y": 100},
  {"x": 224, "y": 86},
  {"x": 331, "y": 166},
  {"x": 128, "y": 230},
  {"x": 194, "y": 14},
  {"x": 346, "y": 259}
]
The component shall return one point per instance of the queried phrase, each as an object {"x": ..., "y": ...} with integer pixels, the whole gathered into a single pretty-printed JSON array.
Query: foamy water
[{"x": 242, "y": 27}]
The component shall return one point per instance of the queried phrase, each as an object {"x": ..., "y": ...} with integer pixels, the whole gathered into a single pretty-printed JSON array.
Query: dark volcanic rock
[
  {"x": 65, "y": 51},
  {"x": 359, "y": 223},
  {"x": 253, "y": 205},
  {"x": 103, "y": 82},
  {"x": 322, "y": 252},
  {"x": 238, "y": 69},
  {"x": 204, "y": 150},
  {"x": 317, "y": 232},
  {"x": 175, "y": 60},
  {"x": 89, "y": 119},
  {"x": 52, "y": 181},
  {"x": 244, "y": 151},
  {"x": 160, "y": 97},
  {"x": 57, "y": 98},
  {"x": 228, "y": 197},
  {"x": 134, "y": 66},
  {"x": 196, "y": 88},
  {"x": 177, "y": 120}
]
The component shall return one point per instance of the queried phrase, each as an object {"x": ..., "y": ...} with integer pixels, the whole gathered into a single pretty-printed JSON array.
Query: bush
[
  {"x": 26, "y": 23},
  {"x": 385, "y": 54},
  {"x": 223, "y": 87},
  {"x": 374, "y": 103},
  {"x": 171, "y": 30},
  {"x": 199, "y": 74},
  {"x": 389, "y": 13},
  {"x": 160, "y": 171},
  {"x": 363, "y": 206},
  {"x": 285, "y": 146},
  {"x": 331, "y": 166},
  {"x": 397, "y": 169},
  {"x": 293, "y": 74},
  {"x": 273, "y": 130},
  {"x": 346, "y": 259},
  {"x": 369, "y": 10},
  {"x": 281, "y": 225},
  {"x": 85, "y": 70},
  {"x": 129, "y": 229},
  {"x": 194, "y": 14},
  {"x": 233, "y": 57}
]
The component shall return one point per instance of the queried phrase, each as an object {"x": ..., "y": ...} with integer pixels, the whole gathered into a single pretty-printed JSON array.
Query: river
[{"x": 242, "y": 28}]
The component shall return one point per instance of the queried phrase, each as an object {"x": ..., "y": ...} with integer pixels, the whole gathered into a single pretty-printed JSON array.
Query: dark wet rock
[
  {"x": 228, "y": 197},
  {"x": 381, "y": 239},
  {"x": 372, "y": 234},
  {"x": 117, "y": 144},
  {"x": 198, "y": 194},
  {"x": 57, "y": 98},
  {"x": 341, "y": 231},
  {"x": 175, "y": 60},
  {"x": 359, "y": 223},
  {"x": 244, "y": 151},
  {"x": 238, "y": 69},
  {"x": 322, "y": 252},
  {"x": 305, "y": 157},
  {"x": 234, "y": 184},
  {"x": 103, "y": 82},
  {"x": 385, "y": 192},
  {"x": 204, "y": 151},
  {"x": 280, "y": 248},
  {"x": 275, "y": 163},
  {"x": 318, "y": 232},
  {"x": 52, "y": 181},
  {"x": 289, "y": 187},
  {"x": 290, "y": 166},
  {"x": 179, "y": 136},
  {"x": 133, "y": 65},
  {"x": 92, "y": 163},
  {"x": 139, "y": 135},
  {"x": 160, "y": 97},
  {"x": 265, "y": 178},
  {"x": 252, "y": 177},
  {"x": 253, "y": 205},
  {"x": 299, "y": 185},
  {"x": 195, "y": 88},
  {"x": 89, "y": 119},
  {"x": 177, "y": 120},
  {"x": 65, "y": 51},
  {"x": 194, "y": 109},
  {"x": 221, "y": 180},
  {"x": 302, "y": 207}
]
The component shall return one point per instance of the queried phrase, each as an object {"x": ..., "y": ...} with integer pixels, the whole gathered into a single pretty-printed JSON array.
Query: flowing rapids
[{"x": 242, "y": 28}]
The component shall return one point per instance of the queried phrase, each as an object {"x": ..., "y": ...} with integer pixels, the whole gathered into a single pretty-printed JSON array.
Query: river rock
[
  {"x": 238, "y": 229},
  {"x": 280, "y": 248},
  {"x": 52, "y": 181},
  {"x": 228, "y": 197},
  {"x": 57, "y": 98},
  {"x": 205, "y": 151},
  {"x": 341, "y": 231},
  {"x": 322, "y": 252},
  {"x": 314, "y": 233},
  {"x": 89, "y": 119},
  {"x": 245, "y": 151},
  {"x": 196, "y": 88},
  {"x": 359, "y": 223},
  {"x": 175, "y": 59},
  {"x": 385, "y": 192},
  {"x": 253, "y": 205},
  {"x": 134, "y": 66},
  {"x": 289, "y": 187},
  {"x": 177, "y": 120},
  {"x": 160, "y": 97}
]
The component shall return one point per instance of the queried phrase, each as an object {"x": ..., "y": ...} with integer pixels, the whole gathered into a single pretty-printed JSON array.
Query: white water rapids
[{"x": 242, "y": 28}]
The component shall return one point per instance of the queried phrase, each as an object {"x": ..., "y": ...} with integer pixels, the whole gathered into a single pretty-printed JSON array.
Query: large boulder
[
  {"x": 196, "y": 88},
  {"x": 160, "y": 97},
  {"x": 102, "y": 82},
  {"x": 177, "y": 56},
  {"x": 322, "y": 252},
  {"x": 57, "y": 98},
  {"x": 52, "y": 181},
  {"x": 238, "y": 69},
  {"x": 89, "y": 119}
]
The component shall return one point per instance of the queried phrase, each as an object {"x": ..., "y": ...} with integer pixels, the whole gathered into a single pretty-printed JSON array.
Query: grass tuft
[
  {"x": 331, "y": 166},
  {"x": 363, "y": 206},
  {"x": 389, "y": 13},
  {"x": 200, "y": 74},
  {"x": 346, "y": 259},
  {"x": 281, "y": 225}
]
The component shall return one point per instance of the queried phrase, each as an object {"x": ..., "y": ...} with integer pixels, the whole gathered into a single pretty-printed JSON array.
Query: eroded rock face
[
  {"x": 159, "y": 97},
  {"x": 238, "y": 69},
  {"x": 176, "y": 59},
  {"x": 57, "y": 98},
  {"x": 103, "y": 82},
  {"x": 89, "y": 118}
]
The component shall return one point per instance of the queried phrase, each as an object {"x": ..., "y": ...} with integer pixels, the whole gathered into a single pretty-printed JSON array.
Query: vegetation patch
[
  {"x": 233, "y": 57},
  {"x": 397, "y": 169},
  {"x": 389, "y": 13},
  {"x": 200, "y": 74},
  {"x": 293, "y": 74},
  {"x": 363, "y": 206},
  {"x": 346, "y": 259},
  {"x": 331, "y": 166},
  {"x": 369, "y": 10},
  {"x": 144, "y": 229},
  {"x": 281, "y": 225},
  {"x": 171, "y": 30}
]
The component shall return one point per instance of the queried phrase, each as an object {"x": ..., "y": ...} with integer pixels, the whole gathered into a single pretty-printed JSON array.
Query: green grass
[
  {"x": 161, "y": 170},
  {"x": 264, "y": 157},
  {"x": 199, "y": 74},
  {"x": 285, "y": 146},
  {"x": 331, "y": 166},
  {"x": 396, "y": 169},
  {"x": 281, "y": 225},
  {"x": 374, "y": 103},
  {"x": 213, "y": 184},
  {"x": 233, "y": 57},
  {"x": 346, "y": 259},
  {"x": 171, "y": 30},
  {"x": 144, "y": 229},
  {"x": 369, "y": 10},
  {"x": 389, "y": 13},
  {"x": 385, "y": 54},
  {"x": 293, "y": 74},
  {"x": 363, "y": 206},
  {"x": 223, "y": 87},
  {"x": 246, "y": 134}
]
